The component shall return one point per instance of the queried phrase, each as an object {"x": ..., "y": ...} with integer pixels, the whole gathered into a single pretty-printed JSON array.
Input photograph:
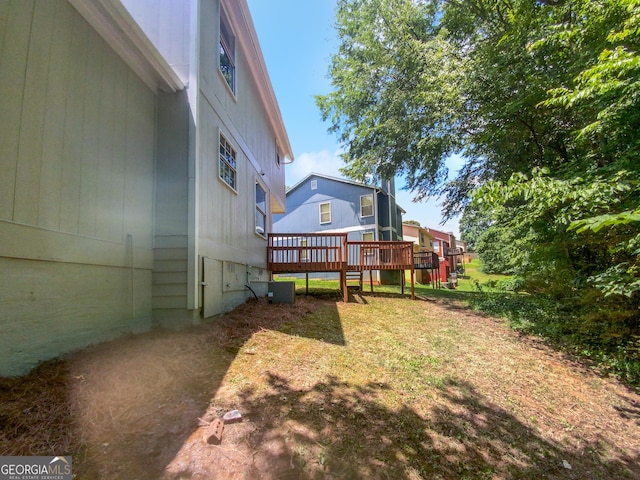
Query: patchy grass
[{"x": 381, "y": 387}]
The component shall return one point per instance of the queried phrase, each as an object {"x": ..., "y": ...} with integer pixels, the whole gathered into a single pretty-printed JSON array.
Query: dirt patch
[{"x": 380, "y": 388}]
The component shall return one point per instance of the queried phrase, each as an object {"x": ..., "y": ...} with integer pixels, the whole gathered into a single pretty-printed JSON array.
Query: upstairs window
[
  {"x": 325, "y": 212},
  {"x": 366, "y": 205},
  {"x": 227, "y": 52},
  {"x": 261, "y": 211},
  {"x": 227, "y": 168}
]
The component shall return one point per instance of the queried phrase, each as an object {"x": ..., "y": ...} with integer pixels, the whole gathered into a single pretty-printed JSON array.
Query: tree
[
  {"x": 395, "y": 92},
  {"x": 519, "y": 87},
  {"x": 412, "y": 222}
]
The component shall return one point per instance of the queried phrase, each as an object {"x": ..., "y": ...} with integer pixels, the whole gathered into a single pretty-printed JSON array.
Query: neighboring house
[
  {"x": 443, "y": 242},
  {"x": 143, "y": 155},
  {"x": 320, "y": 203},
  {"x": 423, "y": 242}
]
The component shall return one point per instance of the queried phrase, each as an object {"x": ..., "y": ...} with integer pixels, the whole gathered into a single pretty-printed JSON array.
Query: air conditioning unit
[{"x": 282, "y": 292}]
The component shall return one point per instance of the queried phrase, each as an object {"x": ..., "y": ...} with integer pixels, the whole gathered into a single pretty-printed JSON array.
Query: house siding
[
  {"x": 303, "y": 206},
  {"x": 76, "y": 187},
  {"x": 195, "y": 208},
  {"x": 112, "y": 212}
]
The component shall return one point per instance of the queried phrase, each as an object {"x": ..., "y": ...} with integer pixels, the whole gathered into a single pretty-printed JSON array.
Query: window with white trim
[
  {"x": 366, "y": 205},
  {"x": 325, "y": 212},
  {"x": 367, "y": 237},
  {"x": 261, "y": 211},
  {"x": 227, "y": 52},
  {"x": 227, "y": 166},
  {"x": 304, "y": 253}
]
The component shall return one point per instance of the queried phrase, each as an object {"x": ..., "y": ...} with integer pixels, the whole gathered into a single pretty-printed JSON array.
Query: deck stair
[{"x": 354, "y": 279}]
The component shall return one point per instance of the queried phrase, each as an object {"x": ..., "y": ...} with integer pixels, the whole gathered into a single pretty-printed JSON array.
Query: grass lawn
[{"x": 381, "y": 387}]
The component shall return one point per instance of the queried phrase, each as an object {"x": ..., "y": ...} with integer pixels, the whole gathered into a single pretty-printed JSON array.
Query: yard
[{"x": 381, "y": 387}]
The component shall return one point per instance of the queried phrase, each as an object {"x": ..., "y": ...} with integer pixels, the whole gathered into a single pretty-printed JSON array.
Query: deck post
[
  {"x": 413, "y": 283},
  {"x": 343, "y": 281},
  {"x": 345, "y": 266}
]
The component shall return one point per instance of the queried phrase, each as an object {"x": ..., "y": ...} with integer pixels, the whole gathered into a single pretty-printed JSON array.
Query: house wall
[
  {"x": 167, "y": 23},
  {"x": 175, "y": 125},
  {"x": 226, "y": 217},
  {"x": 199, "y": 217},
  {"x": 76, "y": 188},
  {"x": 303, "y": 206}
]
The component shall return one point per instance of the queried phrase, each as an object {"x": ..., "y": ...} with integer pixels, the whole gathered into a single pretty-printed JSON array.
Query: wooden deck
[{"x": 331, "y": 252}]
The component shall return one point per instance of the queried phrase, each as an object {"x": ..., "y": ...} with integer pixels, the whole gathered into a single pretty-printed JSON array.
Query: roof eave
[{"x": 117, "y": 27}]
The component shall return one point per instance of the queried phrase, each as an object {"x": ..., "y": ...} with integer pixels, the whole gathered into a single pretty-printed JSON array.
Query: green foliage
[
  {"x": 602, "y": 335},
  {"x": 395, "y": 81},
  {"x": 542, "y": 98}
]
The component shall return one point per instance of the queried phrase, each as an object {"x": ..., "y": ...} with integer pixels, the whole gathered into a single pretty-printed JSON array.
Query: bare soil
[{"x": 377, "y": 388}]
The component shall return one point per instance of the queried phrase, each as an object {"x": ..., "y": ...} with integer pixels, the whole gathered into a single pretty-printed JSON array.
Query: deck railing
[
  {"x": 331, "y": 252},
  {"x": 306, "y": 252},
  {"x": 379, "y": 255},
  {"x": 426, "y": 261}
]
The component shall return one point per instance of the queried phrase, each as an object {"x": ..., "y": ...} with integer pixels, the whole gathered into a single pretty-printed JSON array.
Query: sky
[{"x": 297, "y": 40}]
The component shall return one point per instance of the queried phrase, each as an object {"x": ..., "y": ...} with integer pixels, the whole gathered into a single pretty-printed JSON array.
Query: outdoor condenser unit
[{"x": 282, "y": 292}]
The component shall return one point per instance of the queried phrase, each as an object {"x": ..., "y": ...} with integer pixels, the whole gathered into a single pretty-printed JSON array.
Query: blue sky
[{"x": 297, "y": 40}]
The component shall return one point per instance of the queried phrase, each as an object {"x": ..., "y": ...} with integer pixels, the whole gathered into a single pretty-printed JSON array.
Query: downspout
[{"x": 132, "y": 274}]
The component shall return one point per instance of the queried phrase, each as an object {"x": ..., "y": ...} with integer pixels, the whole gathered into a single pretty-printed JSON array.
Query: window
[
  {"x": 325, "y": 212},
  {"x": 304, "y": 253},
  {"x": 227, "y": 162},
  {"x": 261, "y": 211},
  {"x": 278, "y": 156},
  {"x": 366, "y": 205},
  {"x": 367, "y": 237},
  {"x": 227, "y": 52}
]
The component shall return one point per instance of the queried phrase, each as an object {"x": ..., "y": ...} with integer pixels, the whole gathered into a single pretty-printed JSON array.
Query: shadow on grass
[
  {"x": 124, "y": 409},
  {"x": 338, "y": 430}
]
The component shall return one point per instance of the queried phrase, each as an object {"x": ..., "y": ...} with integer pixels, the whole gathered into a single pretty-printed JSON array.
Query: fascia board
[{"x": 244, "y": 29}]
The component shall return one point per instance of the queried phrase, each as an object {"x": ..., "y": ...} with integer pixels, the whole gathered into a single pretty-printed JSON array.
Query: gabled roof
[
  {"x": 341, "y": 180},
  {"x": 335, "y": 179}
]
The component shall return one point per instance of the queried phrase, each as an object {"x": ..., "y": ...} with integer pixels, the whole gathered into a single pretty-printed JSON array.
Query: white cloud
[{"x": 323, "y": 162}]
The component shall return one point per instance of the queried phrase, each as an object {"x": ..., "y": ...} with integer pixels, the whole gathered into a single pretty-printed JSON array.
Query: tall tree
[{"x": 395, "y": 92}]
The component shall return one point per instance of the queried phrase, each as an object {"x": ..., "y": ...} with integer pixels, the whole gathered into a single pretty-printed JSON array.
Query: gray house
[{"x": 142, "y": 157}]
